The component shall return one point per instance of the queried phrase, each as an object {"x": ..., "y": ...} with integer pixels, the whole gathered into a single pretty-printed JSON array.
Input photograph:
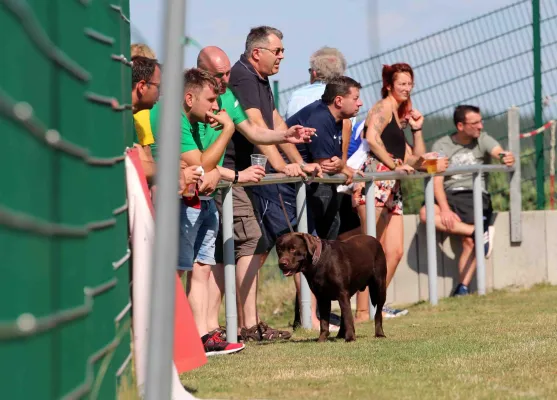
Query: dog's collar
[{"x": 317, "y": 252}]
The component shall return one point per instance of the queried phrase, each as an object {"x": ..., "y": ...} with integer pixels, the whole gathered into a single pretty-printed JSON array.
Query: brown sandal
[{"x": 263, "y": 332}]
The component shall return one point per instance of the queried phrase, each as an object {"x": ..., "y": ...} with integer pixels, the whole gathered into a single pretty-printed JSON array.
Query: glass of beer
[{"x": 430, "y": 161}]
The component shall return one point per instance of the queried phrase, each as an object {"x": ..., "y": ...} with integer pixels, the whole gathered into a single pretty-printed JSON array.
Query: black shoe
[{"x": 460, "y": 290}]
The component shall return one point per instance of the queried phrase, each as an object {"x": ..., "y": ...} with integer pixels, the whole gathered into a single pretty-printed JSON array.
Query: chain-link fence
[
  {"x": 486, "y": 61},
  {"x": 64, "y": 319}
]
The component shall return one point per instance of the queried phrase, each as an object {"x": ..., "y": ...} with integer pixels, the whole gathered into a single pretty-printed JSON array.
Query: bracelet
[
  {"x": 236, "y": 176},
  {"x": 415, "y": 130}
]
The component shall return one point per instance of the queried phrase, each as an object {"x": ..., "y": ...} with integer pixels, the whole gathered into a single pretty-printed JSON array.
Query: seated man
[
  {"x": 198, "y": 214},
  {"x": 340, "y": 101},
  {"x": 454, "y": 208}
]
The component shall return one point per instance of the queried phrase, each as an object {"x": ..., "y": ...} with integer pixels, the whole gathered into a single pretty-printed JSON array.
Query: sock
[{"x": 204, "y": 338}]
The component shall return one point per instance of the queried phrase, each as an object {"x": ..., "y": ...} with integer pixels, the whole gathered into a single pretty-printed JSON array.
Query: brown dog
[{"x": 335, "y": 270}]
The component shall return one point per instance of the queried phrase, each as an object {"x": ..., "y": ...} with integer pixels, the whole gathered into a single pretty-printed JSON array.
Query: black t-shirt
[
  {"x": 253, "y": 92},
  {"x": 327, "y": 144}
]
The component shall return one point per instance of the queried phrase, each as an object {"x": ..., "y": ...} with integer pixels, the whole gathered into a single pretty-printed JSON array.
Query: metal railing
[{"x": 369, "y": 178}]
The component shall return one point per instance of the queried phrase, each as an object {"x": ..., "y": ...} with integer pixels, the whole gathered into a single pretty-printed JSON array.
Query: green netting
[{"x": 62, "y": 217}]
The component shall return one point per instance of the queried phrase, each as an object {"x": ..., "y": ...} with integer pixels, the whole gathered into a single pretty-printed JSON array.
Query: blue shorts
[{"x": 198, "y": 235}]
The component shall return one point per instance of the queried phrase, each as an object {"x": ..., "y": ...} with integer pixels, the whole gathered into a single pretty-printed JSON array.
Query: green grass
[{"x": 500, "y": 346}]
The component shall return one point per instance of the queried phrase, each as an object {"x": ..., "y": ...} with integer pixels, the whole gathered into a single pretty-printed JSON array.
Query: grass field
[{"x": 501, "y": 346}]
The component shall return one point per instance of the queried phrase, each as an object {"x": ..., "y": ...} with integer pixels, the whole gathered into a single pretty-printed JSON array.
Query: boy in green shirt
[{"x": 199, "y": 220}]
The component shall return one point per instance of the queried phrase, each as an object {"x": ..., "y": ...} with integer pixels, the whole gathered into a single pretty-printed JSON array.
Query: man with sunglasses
[
  {"x": 249, "y": 81},
  {"x": 454, "y": 208},
  {"x": 246, "y": 229}
]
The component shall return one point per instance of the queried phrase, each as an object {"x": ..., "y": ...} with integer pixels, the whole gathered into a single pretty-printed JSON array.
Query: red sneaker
[{"x": 214, "y": 345}]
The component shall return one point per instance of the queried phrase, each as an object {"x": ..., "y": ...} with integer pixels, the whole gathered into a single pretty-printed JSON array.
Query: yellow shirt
[{"x": 142, "y": 124}]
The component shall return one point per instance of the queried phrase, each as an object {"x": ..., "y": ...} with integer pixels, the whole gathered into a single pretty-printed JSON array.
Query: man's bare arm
[
  {"x": 439, "y": 193},
  {"x": 270, "y": 151}
]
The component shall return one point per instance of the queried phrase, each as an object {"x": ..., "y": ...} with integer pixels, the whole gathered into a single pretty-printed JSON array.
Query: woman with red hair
[{"x": 390, "y": 151}]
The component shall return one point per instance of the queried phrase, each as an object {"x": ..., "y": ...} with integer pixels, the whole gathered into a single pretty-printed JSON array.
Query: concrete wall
[{"x": 533, "y": 261}]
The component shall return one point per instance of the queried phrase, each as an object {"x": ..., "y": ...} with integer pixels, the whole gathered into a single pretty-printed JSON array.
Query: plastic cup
[
  {"x": 430, "y": 161},
  {"x": 258, "y": 159}
]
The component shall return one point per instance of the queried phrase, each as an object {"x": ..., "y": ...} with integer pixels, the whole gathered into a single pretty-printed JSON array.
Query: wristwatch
[
  {"x": 236, "y": 176},
  {"x": 303, "y": 164}
]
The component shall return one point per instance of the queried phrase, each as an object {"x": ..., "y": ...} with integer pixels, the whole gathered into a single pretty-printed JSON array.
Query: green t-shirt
[
  {"x": 190, "y": 138},
  {"x": 230, "y": 103}
]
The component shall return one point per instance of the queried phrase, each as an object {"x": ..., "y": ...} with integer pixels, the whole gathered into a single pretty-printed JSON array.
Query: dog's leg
[
  {"x": 378, "y": 295},
  {"x": 324, "y": 313},
  {"x": 347, "y": 319}
]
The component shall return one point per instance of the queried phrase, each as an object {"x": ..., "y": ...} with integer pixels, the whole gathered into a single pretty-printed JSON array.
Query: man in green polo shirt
[{"x": 200, "y": 145}]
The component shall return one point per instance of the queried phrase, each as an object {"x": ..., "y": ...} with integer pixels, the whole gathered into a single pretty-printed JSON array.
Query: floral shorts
[{"x": 388, "y": 194}]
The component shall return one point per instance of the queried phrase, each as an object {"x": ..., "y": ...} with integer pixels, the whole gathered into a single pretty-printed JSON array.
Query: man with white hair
[{"x": 325, "y": 64}]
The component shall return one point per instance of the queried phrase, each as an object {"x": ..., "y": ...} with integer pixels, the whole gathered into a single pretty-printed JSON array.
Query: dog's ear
[{"x": 310, "y": 241}]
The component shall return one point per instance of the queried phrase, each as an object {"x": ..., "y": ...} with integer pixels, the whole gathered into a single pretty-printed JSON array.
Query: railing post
[
  {"x": 431, "y": 242},
  {"x": 301, "y": 216},
  {"x": 229, "y": 266},
  {"x": 479, "y": 232},
  {"x": 371, "y": 229},
  {"x": 515, "y": 192},
  {"x": 165, "y": 254}
]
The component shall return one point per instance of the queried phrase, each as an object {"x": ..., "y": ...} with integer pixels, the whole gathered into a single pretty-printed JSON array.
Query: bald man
[{"x": 247, "y": 232}]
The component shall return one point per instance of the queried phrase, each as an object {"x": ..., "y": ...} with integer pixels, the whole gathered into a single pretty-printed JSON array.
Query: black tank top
[{"x": 393, "y": 138}]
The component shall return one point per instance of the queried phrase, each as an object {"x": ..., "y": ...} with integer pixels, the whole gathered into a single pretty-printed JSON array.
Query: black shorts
[
  {"x": 462, "y": 203},
  {"x": 272, "y": 221},
  {"x": 323, "y": 207},
  {"x": 349, "y": 218}
]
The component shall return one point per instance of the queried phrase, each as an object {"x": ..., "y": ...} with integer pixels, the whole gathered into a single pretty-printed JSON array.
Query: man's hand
[
  {"x": 298, "y": 134},
  {"x": 252, "y": 174},
  {"x": 209, "y": 182},
  {"x": 508, "y": 159},
  {"x": 332, "y": 166},
  {"x": 219, "y": 120},
  {"x": 350, "y": 172},
  {"x": 293, "y": 170},
  {"x": 188, "y": 175},
  {"x": 416, "y": 119},
  {"x": 309, "y": 168},
  {"x": 448, "y": 219}
]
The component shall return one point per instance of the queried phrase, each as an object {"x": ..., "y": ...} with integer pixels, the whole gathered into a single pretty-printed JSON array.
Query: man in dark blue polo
[{"x": 340, "y": 101}]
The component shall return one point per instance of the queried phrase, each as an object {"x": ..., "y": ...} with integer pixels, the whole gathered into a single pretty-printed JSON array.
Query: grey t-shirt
[{"x": 477, "y": 152}]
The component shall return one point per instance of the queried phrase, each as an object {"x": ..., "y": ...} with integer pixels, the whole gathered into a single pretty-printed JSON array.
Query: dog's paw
[{"x": 322, "y": 339}]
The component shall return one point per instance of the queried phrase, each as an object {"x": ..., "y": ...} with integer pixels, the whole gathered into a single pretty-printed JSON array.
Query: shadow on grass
[{"x": 190, "y": 389}]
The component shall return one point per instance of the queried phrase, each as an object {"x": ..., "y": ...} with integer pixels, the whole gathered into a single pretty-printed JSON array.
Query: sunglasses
[{"x": 276, "y": 51}]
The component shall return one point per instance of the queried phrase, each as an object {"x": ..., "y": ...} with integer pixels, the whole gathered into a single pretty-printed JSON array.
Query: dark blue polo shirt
[{"x": 327, "y": 144}]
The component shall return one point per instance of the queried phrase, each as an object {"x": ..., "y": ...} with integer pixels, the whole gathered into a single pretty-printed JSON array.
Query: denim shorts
[{"x": 198, "y": 235}]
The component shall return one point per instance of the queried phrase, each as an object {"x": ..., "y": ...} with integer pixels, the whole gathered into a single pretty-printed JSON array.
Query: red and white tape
[{"x": 537, "y": 131}]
